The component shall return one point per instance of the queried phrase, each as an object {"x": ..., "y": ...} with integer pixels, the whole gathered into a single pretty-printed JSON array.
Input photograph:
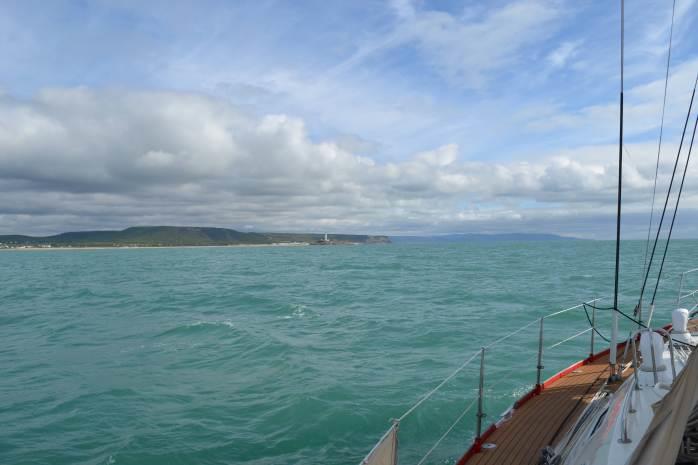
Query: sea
[{"x": 293, "y": 355}]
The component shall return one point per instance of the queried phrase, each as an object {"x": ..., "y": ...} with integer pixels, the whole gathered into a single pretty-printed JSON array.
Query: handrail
[
  {"x": 573, "y": 308},
  {"x": 531, "y": 323},
  {"x": 443, "y": 436},
  {"x": 513, "y": 333},
  {"x": 480, "y": 353},
  {"x": 569, "y": 338},
  {"x": 690, "y": 294},
  {"x": 440, "y": 385},
  {"x": 490, "y": 345},
  {"x": 683, "y": 275},
  {"x": 478, "y": 443}
]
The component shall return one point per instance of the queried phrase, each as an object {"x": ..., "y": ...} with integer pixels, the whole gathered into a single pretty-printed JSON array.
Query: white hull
[{"x": 617, "y": 423}]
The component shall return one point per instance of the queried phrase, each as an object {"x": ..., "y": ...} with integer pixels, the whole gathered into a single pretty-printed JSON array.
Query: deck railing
[
  {"x": 389, "y": 439},
  {"x": 693, "y": 294}
]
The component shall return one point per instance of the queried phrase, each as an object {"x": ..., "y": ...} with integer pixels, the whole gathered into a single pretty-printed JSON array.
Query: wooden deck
[{"x": 541, "y": 419}]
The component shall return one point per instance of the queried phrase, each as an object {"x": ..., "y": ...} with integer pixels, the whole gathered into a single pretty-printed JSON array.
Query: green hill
[{"x": 163, "y": 236}]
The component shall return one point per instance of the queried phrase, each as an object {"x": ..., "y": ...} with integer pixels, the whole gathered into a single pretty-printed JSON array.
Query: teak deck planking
[{"x": 547, "y": 416}]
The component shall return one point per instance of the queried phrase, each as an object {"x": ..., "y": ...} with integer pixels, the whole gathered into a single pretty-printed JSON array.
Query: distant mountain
[
  {"x": 178, "y": 236},
  {"x": 467, "y": 237}
]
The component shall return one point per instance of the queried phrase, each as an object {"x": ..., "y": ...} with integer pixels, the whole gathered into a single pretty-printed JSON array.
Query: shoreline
[{"x": 130, "y": 247}]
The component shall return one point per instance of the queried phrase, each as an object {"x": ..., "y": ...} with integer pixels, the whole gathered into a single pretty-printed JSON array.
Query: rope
[
  {"x": 595, "y": 307},
  {"x": 586, "y": 312},
  {"x": 661, "y": 133},
  {"x": 676, "y": 207},
  {"x": 639, "y": 323},
  {"x": 443, "y": 436},
  {"x": 446, "y": 380}
]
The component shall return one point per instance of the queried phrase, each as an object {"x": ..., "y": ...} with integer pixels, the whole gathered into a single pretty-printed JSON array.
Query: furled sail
[
  {"x": 385, "y": 452},
  {"x": 660, "y": 444}
]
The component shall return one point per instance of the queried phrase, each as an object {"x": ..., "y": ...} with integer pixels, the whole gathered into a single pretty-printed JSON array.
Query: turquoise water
[{"x": 282, "y": 355}]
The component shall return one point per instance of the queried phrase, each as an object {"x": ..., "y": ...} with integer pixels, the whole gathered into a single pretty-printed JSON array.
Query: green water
[{"x": 282, "y": 355}]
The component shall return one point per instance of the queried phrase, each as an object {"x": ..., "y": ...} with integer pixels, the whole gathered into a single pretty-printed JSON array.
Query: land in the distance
[
  {"x": 180, "y": 236},
  {"x": 187, "y": 236},
  {"x": 474, "y": 237}
]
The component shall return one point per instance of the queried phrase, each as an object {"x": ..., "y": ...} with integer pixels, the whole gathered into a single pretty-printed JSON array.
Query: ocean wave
[
  {"x": 219, "y": 372},
  {"x": 297, "y": 311},
  {"x": 227, "y": 323},
  {"x": 200, "y": 325}
]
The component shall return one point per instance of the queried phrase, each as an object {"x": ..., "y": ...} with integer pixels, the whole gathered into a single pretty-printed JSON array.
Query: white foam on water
[
  {"x": 299, "y": 311},
  {"x": 227, "y": 323}
]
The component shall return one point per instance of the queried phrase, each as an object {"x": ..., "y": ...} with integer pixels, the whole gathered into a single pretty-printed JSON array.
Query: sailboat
[{"x": 633, "y": 403}]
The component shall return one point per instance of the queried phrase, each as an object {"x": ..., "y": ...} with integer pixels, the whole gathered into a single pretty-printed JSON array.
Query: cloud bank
[{"x": 81, "y": 158}]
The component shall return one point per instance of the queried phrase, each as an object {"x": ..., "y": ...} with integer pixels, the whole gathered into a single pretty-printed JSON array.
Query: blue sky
[{"x": 367, "y": 116}]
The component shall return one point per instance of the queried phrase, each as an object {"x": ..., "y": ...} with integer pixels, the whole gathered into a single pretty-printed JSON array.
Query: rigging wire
[
  {"x": 659, "y": 147},
  {"x": 676, "y": 208},
  {"x": 668, "y": 194}
]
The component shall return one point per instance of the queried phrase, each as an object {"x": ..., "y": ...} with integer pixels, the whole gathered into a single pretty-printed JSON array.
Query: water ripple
[{"x": 278, "y": 356}]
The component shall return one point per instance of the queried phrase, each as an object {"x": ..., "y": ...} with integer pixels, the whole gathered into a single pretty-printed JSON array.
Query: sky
[{"x": 379, "y": 117}]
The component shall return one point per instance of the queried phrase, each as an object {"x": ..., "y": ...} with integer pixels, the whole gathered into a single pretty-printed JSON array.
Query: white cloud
[
  {"x": 642, "y": 109},
  {"x": 562, "y": 54},
  {"x": 85, "y": 158},
  {"x": 466, "y": 50},
  {"x": 658, "y": 24}
]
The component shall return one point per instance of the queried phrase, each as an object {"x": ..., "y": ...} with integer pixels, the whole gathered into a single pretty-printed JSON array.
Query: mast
[{"x": 614, "y": 324}]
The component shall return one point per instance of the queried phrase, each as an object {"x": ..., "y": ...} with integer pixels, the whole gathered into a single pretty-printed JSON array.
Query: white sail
[{"x": 385, "y": 452}]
